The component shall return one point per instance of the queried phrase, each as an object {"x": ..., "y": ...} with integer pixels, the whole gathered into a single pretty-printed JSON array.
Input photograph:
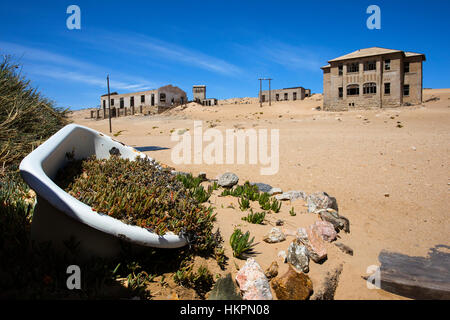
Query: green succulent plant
[{"x": 240, "y": 243}]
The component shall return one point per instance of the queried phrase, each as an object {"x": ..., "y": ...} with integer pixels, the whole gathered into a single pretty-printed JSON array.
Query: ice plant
[{"x": 140, "y": 193}]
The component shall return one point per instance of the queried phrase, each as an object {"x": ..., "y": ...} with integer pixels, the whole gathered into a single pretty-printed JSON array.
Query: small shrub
[
  {"x": 292, "y": 212},
  {"x": 275, "y": 206},
  {"x": 244, "y": 203},
  {"x": 255, "y": 218},
  {"x": 240, "y": 243}
]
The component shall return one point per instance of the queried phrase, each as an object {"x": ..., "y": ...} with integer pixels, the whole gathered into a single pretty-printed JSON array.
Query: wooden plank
[{"x": 417, "y": 277}]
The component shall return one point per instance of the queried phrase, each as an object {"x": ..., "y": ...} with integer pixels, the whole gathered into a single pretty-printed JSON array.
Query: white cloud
[
  {"x": 52, "y": 65},
  {"x": 142, "y": 45}
]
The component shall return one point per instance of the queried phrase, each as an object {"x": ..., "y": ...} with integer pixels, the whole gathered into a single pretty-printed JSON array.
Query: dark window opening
[
  {"x": 143, "y": 99},
  {"x": 131, "y": 101},
  {"x": 387, "y": 88},
  {"x": 122, "y": 104},
  {"x": 162, "y": 97},
  {"x": 112, "y": 102},
  {"x": 406, "y": 90},
  {"x": 294, "y": 96},
  {"x": 406, "y": 67},
  {"x": 277, "y": 97},
  {"x": 104, "y": 104},
  {"x": 387, "y": 64},
  {"x": 369, "y": 88},
  {"x": 340, "y": 69},
  {"x": 285, "y": 96},
  {"x": 370, "y": 65},
  {"x": 353, "y": 90},
  {"x": 353, "y": 67},
  {"x": 341, "y": 92},
  {"x": 263, "y": 98}
]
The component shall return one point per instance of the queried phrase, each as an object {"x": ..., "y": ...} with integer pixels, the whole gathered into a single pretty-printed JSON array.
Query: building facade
[
  {"x": 199, "y": 93},
  {"x": 162, "y": 98},
  {"x": 286, "y": 94},
  {"x": 373, "y": 78}
]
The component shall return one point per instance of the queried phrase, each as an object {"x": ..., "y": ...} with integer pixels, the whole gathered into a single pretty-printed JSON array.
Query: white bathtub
[{"x": 59, "y": 216}]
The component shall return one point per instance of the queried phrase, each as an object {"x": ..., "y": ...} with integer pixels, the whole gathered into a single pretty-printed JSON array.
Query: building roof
[{"x": 373, "y": 51}]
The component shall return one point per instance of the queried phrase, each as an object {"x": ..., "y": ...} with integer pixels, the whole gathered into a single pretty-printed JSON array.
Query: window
[
  {"x": 387, "y": 64},
  {"x": 162, "y": 97},
  {"x": 341, "y": 92},
  {"x": 131, "y": 101},
  {"x": 122, "y": 103},
  {"x": 263, "y": 98},
  {"x": 369, "y": 88},
  {"x": 353, "y": 90},
  {"x": 340, "y": 69},
  {"x": 143, "y": 99},
  {"x": 112, "y": 102},
  {"x": 406, "y": 67},
  {"x": 277, "y": 97},
  {"x": 104, "y": 104},
  {"x": 353, "y": 67},
  {"x": 370, "y": 65},
  {"x": 285, "y": 96},
  {"x": 387, "y": 88},
  {"x": 406, "y": 90},
  {"x": 294, "y": 96}
]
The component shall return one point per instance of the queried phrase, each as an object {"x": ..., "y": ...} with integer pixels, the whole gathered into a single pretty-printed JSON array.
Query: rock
[
  {"x": 252, "y": 282},
  {"x": 344, "y": 248},
  {"x": 328, "y": 286},
  {"x": 326, "y": 230},
  {"x": 279, "y": 222},
  {"x": 262, "y": 187},
  {"x": 227, "y": 180},
  {"x": 297, "y": 256},
  {"x": 320, "y": 200},
  {"x": 272, "y": 271},
  {"x": 291, "y": 195},
  {"x": 275, "y": 235},
  {"x": 339, "y": 222},
  {"x": 282, "y": 254},
  {"x": 202, "y": 175},
  {"x": 225, "y": 289},
  {"x": 275, "y": 191},
  {"x": 292, "y": 286},
  {"x": 313, "y": 243}
]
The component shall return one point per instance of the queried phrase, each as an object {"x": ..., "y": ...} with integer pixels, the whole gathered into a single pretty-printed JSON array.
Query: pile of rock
[{"x": 309, "y": 244}]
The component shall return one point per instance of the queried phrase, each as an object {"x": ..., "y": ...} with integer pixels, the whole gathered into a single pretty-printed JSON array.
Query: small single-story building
[{"x": 286, "y": 94}]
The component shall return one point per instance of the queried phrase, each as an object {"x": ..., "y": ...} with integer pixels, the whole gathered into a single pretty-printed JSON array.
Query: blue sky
[{"x": 226, "y": 45}]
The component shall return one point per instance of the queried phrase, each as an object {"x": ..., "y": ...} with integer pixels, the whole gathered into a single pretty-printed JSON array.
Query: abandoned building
[
  {"x": 373, "y": 78},
  {"x": 286, "y": 94},
  {"x": 199, "y": 92},
  {"x": 162, "y": 98}
]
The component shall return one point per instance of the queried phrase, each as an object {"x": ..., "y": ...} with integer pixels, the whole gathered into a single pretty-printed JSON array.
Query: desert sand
[{"x": 390, "y": 181}]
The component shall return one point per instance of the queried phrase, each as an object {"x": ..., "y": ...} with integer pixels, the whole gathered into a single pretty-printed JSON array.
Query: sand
[{"x": 391, "y": 183}]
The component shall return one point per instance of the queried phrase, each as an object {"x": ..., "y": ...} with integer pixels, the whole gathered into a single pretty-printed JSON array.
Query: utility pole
[
  {"x": 260, "y": 92},
  {"x": 109, "y": 104},
  {"x": 270, "y": 93}
]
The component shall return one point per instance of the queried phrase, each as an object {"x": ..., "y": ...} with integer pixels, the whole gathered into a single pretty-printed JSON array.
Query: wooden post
[
  {"x": 98, "y": 114},
  {"x": 109, "y": 105},
  {"x": 132, "y": 110},
  {"x": 140, "y": 109}
]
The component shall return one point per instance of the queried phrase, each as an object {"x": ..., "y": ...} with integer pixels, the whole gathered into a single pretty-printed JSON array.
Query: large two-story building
[{"x": 373, "y": 78}]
